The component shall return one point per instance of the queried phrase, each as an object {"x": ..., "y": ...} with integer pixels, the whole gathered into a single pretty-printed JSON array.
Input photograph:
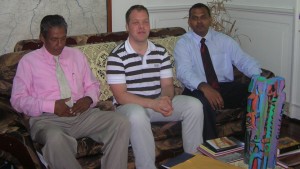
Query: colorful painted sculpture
[{"x": 263, "y": 121}]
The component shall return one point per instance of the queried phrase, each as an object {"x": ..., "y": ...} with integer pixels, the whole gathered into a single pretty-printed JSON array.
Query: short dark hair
[
  {"x": 50, "y": 21},
  {"x": 199, "y": 5},
  {"x": 135, "y": 7}
]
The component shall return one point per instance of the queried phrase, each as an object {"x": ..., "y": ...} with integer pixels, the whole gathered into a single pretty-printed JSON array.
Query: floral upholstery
[
  {"x": 169, "y": 43},
  {"x": 8, "y": 67},
  {"x": 97, "y": 57},
  {"x": 16, "y": 145}
]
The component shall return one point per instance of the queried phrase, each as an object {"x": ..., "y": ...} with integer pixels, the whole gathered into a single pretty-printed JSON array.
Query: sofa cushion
[
  {"x": 87, "y": 146},
  {"x": 169, "y": 43},
  {"x": 14, "y": 136},
  {"x": 164, "y": 130},
  {"x": 229, "y": 121},
  {"x": 8, "y": 66},
  {"x": 97, "y": 57}
]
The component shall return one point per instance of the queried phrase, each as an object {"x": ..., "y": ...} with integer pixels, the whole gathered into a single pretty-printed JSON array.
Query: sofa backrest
[
  {"x": 8, "y": 66},
  {"x": 32, "y": 44},
  {"x": 96, "y": 54}
]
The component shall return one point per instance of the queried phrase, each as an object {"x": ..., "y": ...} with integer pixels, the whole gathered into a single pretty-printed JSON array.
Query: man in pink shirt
[{"x": 56, "y": 121}]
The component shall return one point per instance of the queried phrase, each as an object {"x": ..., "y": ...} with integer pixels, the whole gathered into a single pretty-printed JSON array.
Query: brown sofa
[{"x": 16, "y": 145}]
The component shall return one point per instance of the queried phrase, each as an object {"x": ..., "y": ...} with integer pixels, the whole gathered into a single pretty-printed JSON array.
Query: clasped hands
[
  {"x": 63, "y": 110},
  {"x": 163, "y": 105}
]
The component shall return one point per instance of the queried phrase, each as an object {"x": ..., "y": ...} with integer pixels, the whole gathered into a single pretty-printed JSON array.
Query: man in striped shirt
[{"x": 140, "y": 76}]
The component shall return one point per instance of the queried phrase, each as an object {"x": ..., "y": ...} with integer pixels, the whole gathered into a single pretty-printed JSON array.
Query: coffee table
[{"x": 241, "y": 164}]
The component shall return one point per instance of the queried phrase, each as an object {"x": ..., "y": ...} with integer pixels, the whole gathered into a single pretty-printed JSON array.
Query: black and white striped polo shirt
[{"x": 142, "y": 74}]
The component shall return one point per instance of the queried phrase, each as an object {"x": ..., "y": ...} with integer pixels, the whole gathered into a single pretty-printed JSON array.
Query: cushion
[
  {"x": 87, "y": 146},
  {"x": 14, "y": 136},
  {"x": 8, "y": 66},
  {"x": 169, "y": 44},
  {"x": 97, "y": 57},
  {"x": 164, "y": 130}
]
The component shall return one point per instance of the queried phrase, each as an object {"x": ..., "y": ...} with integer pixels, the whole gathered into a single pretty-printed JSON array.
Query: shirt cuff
[
  {"x": 94, "y": 99},
  {"x": 256, "y": 72},
  {"x": 114, "y": 79},
  {"x": 166, "y": 73},
  {"x": 48, "y": 106}
]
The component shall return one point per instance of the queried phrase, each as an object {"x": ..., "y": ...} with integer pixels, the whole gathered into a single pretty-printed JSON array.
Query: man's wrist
[
  {"x": 91, "y": 100},
  {"x": 171, "y": 97},
  {"x": 151, "y": 103},
  {"x": 201, "y": 85}
]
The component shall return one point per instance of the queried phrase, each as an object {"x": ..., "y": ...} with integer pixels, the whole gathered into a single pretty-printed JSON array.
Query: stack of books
[
  {"x": 226, "y": 149},
  {"x": 229, "y": 150},
  {"x": 288, "y": 151},
  {"x": 287, "y": 146}
]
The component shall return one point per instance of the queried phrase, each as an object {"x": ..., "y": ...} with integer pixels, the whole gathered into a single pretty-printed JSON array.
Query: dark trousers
[{"x": 234, "y": 95}]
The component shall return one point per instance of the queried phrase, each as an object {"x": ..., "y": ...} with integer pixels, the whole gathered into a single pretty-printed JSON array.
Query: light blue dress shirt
[{"x": 224, "y": 52}]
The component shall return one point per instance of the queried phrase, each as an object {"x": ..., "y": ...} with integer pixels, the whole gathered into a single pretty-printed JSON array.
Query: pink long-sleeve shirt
[{"x": 35, "y": 86}]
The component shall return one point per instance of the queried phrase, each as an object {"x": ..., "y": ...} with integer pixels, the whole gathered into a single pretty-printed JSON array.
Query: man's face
[
  {"x": 199, "y": 21},
  {"x": 55, "y": 40},
  {"x": 138, "y": 26}
]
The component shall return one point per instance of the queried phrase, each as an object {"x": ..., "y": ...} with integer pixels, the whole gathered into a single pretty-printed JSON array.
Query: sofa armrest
[
  {"x": 240, "y": 77},
  {"x": 10, "y": 120},
  {"x": 16, "y": 143},
  {"x": 267, "y": 73}
]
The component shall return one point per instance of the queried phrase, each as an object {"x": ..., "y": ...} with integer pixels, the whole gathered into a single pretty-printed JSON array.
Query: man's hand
[
  {"x": 213, "y": 96},
  {"x": 82, "y": 105},
  {"x": 163, "y": 105},
  {"x": 61, "y": 109}
]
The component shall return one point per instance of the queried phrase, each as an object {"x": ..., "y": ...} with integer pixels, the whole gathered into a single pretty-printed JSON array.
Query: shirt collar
[
  {"x": 130, "y": 50},
  {"x": 48, "y": 56},
  {"x": 198, "y": 38}
]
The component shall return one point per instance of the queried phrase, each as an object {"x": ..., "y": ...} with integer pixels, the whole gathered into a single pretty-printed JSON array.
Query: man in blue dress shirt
[{"x": 224, "y": 53}]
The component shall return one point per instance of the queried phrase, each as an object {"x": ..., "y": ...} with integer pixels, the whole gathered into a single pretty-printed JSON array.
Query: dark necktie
[{"x": 210, "y": 73}]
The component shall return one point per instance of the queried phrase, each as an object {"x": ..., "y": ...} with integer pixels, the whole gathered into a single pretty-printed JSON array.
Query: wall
[
  {"x": 271, "y": 25},
  {"x": 295, "y": 94},
  {"x": 119, "y": 8},
  {"x": 21, "y": 19},
  {"x": 274, "y": 30},
  {"x": 177, "y": 9},
  {"x": 271, "y": 31}
]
